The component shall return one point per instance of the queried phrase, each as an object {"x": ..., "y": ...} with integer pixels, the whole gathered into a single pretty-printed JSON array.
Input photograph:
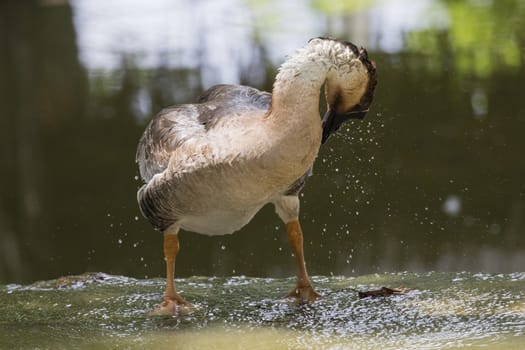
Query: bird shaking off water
[{"x": 210, "y": 167}]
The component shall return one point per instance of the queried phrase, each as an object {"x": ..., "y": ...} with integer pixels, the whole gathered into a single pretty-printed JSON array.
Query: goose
[{"x": 209, "y": 167}]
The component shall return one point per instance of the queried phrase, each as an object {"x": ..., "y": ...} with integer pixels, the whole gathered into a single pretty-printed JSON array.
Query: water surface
[{"x": 442, "y": 310}]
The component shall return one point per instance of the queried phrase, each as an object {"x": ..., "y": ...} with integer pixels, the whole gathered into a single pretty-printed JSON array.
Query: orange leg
[
  {"x": 303, "y": 291},
  {"x": 171, "y": 249},
  {"x": 173, "y": 303}
]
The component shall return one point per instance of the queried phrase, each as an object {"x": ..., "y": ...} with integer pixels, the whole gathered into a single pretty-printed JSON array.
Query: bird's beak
[{"x": 332, "y": 121}]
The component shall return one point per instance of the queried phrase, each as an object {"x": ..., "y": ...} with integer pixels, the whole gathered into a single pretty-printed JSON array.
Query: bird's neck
[
  {"x": 296, "y": 90},
  {"x": 294, "y": 121}
]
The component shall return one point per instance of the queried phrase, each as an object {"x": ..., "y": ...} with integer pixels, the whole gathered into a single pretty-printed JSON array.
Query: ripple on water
[{"x": 442, "y": 310}]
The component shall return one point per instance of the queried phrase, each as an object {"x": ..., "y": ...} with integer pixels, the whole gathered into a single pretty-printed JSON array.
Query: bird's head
[{"x": 350, "y": 85}]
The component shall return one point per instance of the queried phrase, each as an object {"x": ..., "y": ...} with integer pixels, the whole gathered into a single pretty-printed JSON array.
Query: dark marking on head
[
  {"x": 368, "y": 96},
  {"x": 348, "y": 44}
]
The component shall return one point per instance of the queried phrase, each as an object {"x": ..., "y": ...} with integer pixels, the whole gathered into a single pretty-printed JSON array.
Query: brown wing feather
[
  {"x": 163, "y": 134},
  {"x": 174, "y": 125}
]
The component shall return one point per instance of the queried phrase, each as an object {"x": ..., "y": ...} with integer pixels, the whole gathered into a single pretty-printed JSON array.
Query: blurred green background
[{"x": 432, "y": 179}]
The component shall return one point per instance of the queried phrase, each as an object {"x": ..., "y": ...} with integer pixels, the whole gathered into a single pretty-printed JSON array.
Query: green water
[{"x": 442, "y": 310}]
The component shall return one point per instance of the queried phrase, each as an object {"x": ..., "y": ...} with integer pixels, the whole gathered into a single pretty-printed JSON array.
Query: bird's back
[{"x": 175, "y": 125}]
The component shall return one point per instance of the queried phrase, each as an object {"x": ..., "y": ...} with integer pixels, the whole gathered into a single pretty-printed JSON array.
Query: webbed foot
[
  {"x": 304, "y": 294},
  {"x": 172, "y": 307}
]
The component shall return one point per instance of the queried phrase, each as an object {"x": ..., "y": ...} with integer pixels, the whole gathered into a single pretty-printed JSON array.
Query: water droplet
[
  {"x": 136, "y": 218},
  {"x": 452, "y": 205},
  {"x": 223, "y": 247}
]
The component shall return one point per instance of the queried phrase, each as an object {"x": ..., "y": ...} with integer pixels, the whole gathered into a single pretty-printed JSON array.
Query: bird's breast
[{"x": 218, "y": 221}]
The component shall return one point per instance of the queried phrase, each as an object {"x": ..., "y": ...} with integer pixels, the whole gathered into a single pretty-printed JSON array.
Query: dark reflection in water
[{"x": 431, "y": 180}]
